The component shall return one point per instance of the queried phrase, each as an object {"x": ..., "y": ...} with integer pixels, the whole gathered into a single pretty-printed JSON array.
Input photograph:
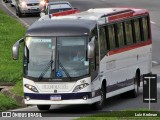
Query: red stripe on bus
[
  {"x": 68, "y": 12},
  {"x": 131, "y": 47},
  {"x": 120, "y": 16}
]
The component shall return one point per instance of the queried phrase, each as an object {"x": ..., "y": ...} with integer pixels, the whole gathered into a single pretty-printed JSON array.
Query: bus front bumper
[
  {"x": 62, "y": 102},
  {"x": 66, "y": 98}
]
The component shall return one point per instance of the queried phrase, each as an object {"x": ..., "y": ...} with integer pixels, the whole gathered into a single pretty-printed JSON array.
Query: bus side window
[
  {"x": 145, "y": 28},
  {"x": 137, "y": 30},
  {"x": 120, "y": 34},
  {"x": 128, "y": 32},
  {"x": 111, "y": 37},
  {"x": 103, "y": 44}
]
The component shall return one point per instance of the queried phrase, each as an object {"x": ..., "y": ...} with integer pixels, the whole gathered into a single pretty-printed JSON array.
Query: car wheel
[
  {"x": 98, "y": 105},
  {"x": 6, "y": 1},
  {"x": 16, "y": 12},
  {"x": 12, "y": 5},
  {"x": 19, "y": 12},
  {"x": 43, "y": 107}
]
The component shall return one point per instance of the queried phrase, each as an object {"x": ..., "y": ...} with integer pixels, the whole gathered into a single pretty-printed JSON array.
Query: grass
[
  {"x": 122, "y": 115},
  {"x": 10, "y": 32},
  {"x": 7, "y": 103},
  {"x": 18, "y": 89}
]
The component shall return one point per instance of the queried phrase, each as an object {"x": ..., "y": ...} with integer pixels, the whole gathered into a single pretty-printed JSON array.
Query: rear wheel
[
  {"x": 98, "y": 105},
  {"x": 135, "y": 91},
  {"x": 43, "y": 107}
]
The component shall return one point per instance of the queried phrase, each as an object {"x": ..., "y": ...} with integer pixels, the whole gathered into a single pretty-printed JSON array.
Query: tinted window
[
  {"x": 111, "y": 37},
  {"x": 103, "y": 41},
  {"x": 59, "y": 8},
  {"x": 120, "y": 34},
  {"x": 95, "y": 60},
  {"x": 137, "y": 30},
  {"x": 128, "y": 32},
  {"x": 145, "y": 28}
]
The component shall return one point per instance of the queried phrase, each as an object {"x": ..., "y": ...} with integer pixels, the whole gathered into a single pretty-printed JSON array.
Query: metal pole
[{"x": 149, "y": 94}]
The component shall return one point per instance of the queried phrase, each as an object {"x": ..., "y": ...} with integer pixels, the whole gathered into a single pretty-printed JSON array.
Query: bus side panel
[{"x": 120, "y": 69}]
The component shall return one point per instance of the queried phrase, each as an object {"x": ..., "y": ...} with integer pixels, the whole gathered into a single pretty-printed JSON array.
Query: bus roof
[
  {"x": 111, "y": 14},
  {"x": 70, "y": 27},
  {"x": 81, "y": 23}
]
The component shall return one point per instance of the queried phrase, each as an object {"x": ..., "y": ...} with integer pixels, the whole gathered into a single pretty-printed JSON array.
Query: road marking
[
  {"x": 155, "y": 62},
  {"x": 153, "y": 22},
  {"x": 21, "y": 109},
  {"x": 26, "y": 24}
]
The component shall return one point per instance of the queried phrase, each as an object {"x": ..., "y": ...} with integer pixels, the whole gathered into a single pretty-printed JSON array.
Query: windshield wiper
[
  {"x": 65, "y": 71},
  {"x": 45, "y": 70},
  {"x": 47, "y": 67}
]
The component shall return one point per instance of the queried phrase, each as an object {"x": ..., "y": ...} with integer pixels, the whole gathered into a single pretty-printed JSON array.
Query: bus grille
[{"x": 33, "y": 4}]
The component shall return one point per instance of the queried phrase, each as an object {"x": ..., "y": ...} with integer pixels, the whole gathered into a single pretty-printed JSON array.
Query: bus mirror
[
  {"x": 91, "y": 48},
  {"x": 15, "y": 49}
]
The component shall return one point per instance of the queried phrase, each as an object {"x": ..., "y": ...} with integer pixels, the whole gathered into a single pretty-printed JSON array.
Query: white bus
[{"x": 86, "y": 57}]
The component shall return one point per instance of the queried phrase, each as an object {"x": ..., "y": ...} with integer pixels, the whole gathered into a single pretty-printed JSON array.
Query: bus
[{"x": 115, "y": 47}]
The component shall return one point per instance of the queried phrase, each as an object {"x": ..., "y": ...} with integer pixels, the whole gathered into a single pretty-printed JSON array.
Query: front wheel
[
  {"x": 43, "y": 107},
  {"x": 19, "y": 12},
  {"x": 98, "y": 105},
  {"x": 5, "y": 1},
  {"x": 12, "y": 5}
]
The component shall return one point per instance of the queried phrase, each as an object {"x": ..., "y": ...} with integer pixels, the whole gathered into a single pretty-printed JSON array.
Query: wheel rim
[{"x": 136, "y": 88}]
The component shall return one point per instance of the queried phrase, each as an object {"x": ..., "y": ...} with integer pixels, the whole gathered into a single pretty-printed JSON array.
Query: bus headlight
[
  {"x": 79, "y": 87},
  {"x": 30, "y": 87}
]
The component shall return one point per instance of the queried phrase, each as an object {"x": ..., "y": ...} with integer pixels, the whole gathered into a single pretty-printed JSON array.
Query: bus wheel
[
  {"x": 135, "y": 91},
  {"x": 43, "y": 107},
  {"x": 98, "y": 105}
]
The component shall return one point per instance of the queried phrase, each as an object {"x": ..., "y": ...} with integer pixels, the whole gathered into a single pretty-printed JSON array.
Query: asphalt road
[{"x": 115, "y": 103}]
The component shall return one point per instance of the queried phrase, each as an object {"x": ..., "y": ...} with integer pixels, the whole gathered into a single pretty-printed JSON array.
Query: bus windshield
[
  {"x": 39, "y": 56},
  {"x": 55, "y": 57},
  {"x": 71, "y": 57}
]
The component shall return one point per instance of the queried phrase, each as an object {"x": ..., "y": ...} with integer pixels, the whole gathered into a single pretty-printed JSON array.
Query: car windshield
[
  {"x": 39, "y": 56},
  {"x": 71, "y": 57},
  {"x": 59, "y": 8}
]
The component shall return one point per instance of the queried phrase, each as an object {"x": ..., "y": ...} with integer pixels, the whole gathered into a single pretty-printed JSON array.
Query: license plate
[
  {"x": 55, "y": 97},
  {"x": 33, "y": 7}
]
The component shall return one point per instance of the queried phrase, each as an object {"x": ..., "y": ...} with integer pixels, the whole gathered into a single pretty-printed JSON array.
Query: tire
[
  {"x": 43, "y": 107},
  {"x": 38, "y": 15},
  {"x": 135, "y": 91},
  {"x": 12, "y": 5},
  {"x": 99, "y": 105},
  {"x": 5, "y": 1},
  {"x": 19, "y": 12}
]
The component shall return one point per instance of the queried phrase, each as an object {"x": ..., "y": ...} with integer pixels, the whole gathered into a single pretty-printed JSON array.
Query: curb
[{"x": 19, "y": 99}]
